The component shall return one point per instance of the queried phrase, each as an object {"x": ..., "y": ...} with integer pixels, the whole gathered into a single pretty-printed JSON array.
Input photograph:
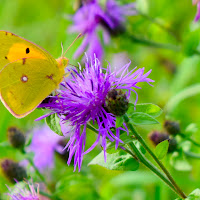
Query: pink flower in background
[
  {"x": 44, "y": 144},
  {"x": 197, "y": 17}
]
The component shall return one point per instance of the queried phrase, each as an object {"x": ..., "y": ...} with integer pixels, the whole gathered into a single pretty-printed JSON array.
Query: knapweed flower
[
  {"x": 197, "y": 2},
  {"x": 83, "y": 99},
  {"x": 44, "y": 144},
  {"x": 25, "y": 194},
  {"x": 91, "y": 17}
]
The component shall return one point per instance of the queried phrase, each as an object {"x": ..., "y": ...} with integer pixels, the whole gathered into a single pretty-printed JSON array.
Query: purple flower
[
  {"x": 44, "y": 144},
  {"x": 91, "y": 17},
  {"x": 82, "y": 100},
  {"x": 197, "y": 17},
  {"x": 26, "y": 194}
]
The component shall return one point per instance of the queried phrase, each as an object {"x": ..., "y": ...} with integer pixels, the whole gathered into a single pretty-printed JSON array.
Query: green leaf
[
  {"x": 53, "y": 121},
  {"x": 195, "y": 195},
  {"x": 148, "y": 108},
  {"x": 182, "y": 95},
  {"x": 124, "y": 137},
  {"x": 179, "y": 162},
  {"x": 162, "y": 149},
  {"x": 139, "y": 118},
  {"x": 139, "y": 146},
  {"x": 190, "y": 129},
  {"x": 116, "y": 161},
  {"x": 191, "y": 42},
  {"x": 119, "y": 121}
]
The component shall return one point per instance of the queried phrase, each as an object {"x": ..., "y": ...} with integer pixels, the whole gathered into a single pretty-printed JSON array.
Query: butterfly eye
[{"x": 27, "y": 50}]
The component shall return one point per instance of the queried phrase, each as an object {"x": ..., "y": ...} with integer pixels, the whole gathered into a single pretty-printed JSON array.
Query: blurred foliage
[{"x": 176, "y": 90}]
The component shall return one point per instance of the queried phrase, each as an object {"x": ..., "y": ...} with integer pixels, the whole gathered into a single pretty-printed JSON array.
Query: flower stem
[
  {"x": 159, "y": 23},
  {"x": 140, "y": 139},
  {"x": 37, "y": 171},
  {"x": 149, "y": 165},
  {"x": 192, "y": 155},
  {"x": 189, "y": 139},
  {"x": 150, "y": 43}
]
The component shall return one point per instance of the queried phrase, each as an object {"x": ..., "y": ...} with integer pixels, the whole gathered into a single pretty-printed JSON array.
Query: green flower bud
[
  {"x": 173, "y": 128},
  {"x": 116, "y": 102},
  {"x": 16, "y": 137},
  {"x": 172, "y": 145},
  {"x": 13, "y": 170}
]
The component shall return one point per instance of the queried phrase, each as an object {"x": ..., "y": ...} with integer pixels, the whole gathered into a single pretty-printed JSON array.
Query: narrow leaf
[
  {"x": 119, "y": 121},
  {"x": 162, "y": 149},
  {"x": 139, "y": 118},
  {"x": 53, "y": 121},
  {"x": 116, "y": 161}
]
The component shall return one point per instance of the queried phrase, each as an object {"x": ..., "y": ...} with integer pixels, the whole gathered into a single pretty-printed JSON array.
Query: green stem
[
  {"x": 158, "y": 23},
  {"x": 189, "y": 139},
  {"x": 192, "y": 155},
  {"x": 92, "y": 128},
  {"x": 153, "y": 44},
  {"x": 149, "y": 165},
  {"x": 37, "y": 170},
  {"x": 140, "y": 139}
]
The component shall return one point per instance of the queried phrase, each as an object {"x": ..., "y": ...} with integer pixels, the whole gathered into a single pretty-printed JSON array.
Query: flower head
[
  {"x": 44, "y": 144},
  {"x": 83, "y": 99},
  {"x": 91, "y": 17},
  {"x": 25, "y": 194}
]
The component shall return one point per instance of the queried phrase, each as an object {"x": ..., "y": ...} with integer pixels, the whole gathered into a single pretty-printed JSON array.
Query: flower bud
[
  {"x": 16, "y": 137},
  {"x": 157, "y": 137},
  {"x": 13, "y": 171},
  {"x": 173, "y": 128},
  {"x": 172, "y": 145},
  {"x": 116, "y": 102}
]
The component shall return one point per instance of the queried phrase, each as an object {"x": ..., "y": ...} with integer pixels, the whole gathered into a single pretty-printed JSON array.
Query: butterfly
[{"x": 28, "y": 73}]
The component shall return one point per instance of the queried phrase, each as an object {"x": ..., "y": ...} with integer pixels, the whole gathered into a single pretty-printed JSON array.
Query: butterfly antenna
[
  {"x": 79, "y": 35},
  {"x": 62, "y": 49}
]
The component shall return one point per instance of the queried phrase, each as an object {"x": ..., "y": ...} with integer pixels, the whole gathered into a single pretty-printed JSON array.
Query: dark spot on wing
[
  {"x": 23, "y": 60},
  {"x": 6, "y": 33},
  {"x": 27, "y": 50},
  {"x": 6, "y": 57},
  {"x": 50, "y": 76}
]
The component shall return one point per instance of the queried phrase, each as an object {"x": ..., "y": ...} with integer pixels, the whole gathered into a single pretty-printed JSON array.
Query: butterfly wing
[
  {"x": 26, "y": 82},
  {"x": 14, "y": 47}
]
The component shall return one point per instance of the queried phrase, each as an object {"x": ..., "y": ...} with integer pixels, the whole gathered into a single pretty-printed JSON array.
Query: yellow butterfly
[{"x": 28, "y": 73}]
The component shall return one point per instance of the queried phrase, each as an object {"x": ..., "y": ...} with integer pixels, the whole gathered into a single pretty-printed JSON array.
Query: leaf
[
  {"x": 182, "y": 95},
  {"x": 190, "y": 129},
  {"x": 119, "y": 121},
  {"x": 148, "y": 108},
  {"x": 139, "y": 118},
  {"x": 53, "y": 121},
  {"x": 116, "y": 161},
  {"x": 139, "y": 146},
  {"x": 191, "y": 42},
  {"x": 179, "y": 162},
  {"x": 124, "y": 137},
  {"x": 195, "y": 195},
  {"x": 162, "y": 149}
]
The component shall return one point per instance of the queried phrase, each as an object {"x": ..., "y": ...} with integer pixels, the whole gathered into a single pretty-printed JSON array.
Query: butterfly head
[{"x": 62, "y": 62}]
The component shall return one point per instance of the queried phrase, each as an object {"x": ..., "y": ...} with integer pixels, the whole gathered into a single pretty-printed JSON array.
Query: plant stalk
[{"x": 140, "y": 139}]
